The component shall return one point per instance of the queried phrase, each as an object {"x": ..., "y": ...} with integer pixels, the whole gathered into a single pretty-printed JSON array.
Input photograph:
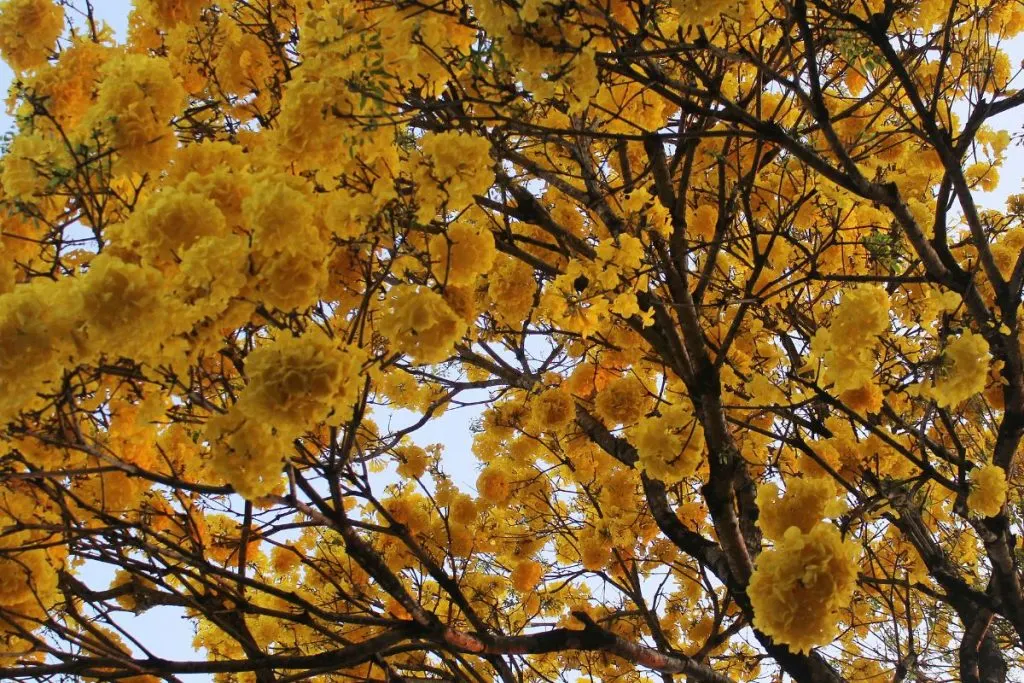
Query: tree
[{"x": 712, "y": 282}]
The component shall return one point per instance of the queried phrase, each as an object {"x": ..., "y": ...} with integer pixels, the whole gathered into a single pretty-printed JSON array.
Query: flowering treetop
[{"x": 711, "y": 281}]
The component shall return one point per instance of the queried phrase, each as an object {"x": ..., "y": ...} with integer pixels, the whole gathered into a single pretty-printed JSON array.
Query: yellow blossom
[
  {"x": 28, "y": 31},
  {"x": 988, "y": 490},
  {"x": 494, "y": 484},
  {"x": 137, "y": 98},
  {"x": 553, "y": 410},
  {"x": 296, "y": 382},
  {"x": 421, "y": 324},
  {"x": 806, "y": 502},
  {"x": 526, "y": 575},
  {"x": 622, "y": 401},
  {"x": 799, "y": 586},
  {"x": 964, "y": 371}
]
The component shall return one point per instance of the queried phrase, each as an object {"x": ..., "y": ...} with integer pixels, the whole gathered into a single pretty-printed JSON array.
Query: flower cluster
[
  {"x": 421, "y": 324},
  {"x": 623, "y": 401},
  {"x": 28, "y": 31},
  {"x": 289, "y": 252},
  {"x": 552, "y": 410},
  {"x": 988, "y": 490},
  {"x": 247, "y": 453},
  {"x": 137, "y": 98},
  {"x": 452, "y": 169},
  {"x": 526, "y": 575},
  {"x": 495, "y": 483},
  {"x": 964, "y": 371},
  {"x": 414, "y": 461},
  {"x": 806, "y": 502},
  {"x": 462, "y": 253},
  {"x": 847, "y": 346},
  {"x": 800, "y": 585},
  {"x": 29, "y": 565},
  {"x": 297, "y": 382},
  {"x": 670, "y": 445}
]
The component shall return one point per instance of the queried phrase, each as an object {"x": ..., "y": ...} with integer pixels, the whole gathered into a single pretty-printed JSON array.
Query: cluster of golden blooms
[
  {"x": 623, "y": 401},
  {"x": 553, "y": 410},
  {"x": 29, "y": 567},
  {"x": 806, "y": 502},
  {"x": 137, "y": 97},
  {"x": 495, "y": 483},
  {"x": 421, "y": 324},
  {"x": 298, "y": 381},
  {"x": 526, "y": 575},
  {"x": 511, "y": 288},
  {"x": 248, "y": 454},
  {"x": 988, "y": 490},
  {"x": 414, "y": 461},
  {"x": 801, "y": 584},
  {"x": 591, "y": 294},
  {"x": 964, "y": 370},
  {"x": 669, "y": 445},
  {"x": 240, "y": 243},
  {"x": 294, "y": 382},
  {"x": 450, "y": 171},
  {"x": 847, "y": 347},
  {"x": 28, "y": 31},
  {"x": 463, "y": 253}
]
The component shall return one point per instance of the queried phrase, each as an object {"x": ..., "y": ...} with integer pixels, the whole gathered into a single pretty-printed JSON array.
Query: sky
[{"x": 163, "y": 631}]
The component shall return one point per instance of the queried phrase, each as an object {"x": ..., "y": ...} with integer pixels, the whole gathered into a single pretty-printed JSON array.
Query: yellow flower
[
  {"x": 292, "y": 279},
  {"x": 285, "y": 558},
  {"x": 249, "y": 454},
  {"x": 459, "y": 168},
  {"x": 494, "y": 484},
  {"x": 125, "y": 307},
  {"x": 799, "y": 586},
  {"x": 243, "y": 63},
  {"x": 595, "y": 550},
  {"x": 988, "y": 490},
  {"x": 510, "y": 289},
  {"x": 28, "y": 165},
  {"x": 421, "y": 324},
  {"x": 463, "y": 509},
  {"x": 137, "y": 98},
  {"x": 167, "y": 13},
  {"x": 866, "y": 398},
  {"x": 804, "y": 504},
  {"x": 28, "y": 31},
  {"x": 297, "y": 382},
  {"x": 414, "y": 461},
  {"x": 623, "y": 401},
  {"x": 705, "y": 12},
  {"x": 463, "y": 253},
  {"x": 626, "y": 252},
  {"x": 212, "y": 271},
  {"x": 847, "y": 345},
  {"x": 526, "y": 575},
  {"x": 964, "y": 371},
  {"x": 169, "y": 222},
  {"x": 553, "y": 410},
  {"x": 279, "y": 211},
  {"x": 69, "y": 85},
  {"x": 669, "y": 446}
]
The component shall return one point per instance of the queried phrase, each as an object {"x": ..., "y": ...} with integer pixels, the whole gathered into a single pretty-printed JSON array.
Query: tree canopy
[{"x": 713, "y": 284}]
